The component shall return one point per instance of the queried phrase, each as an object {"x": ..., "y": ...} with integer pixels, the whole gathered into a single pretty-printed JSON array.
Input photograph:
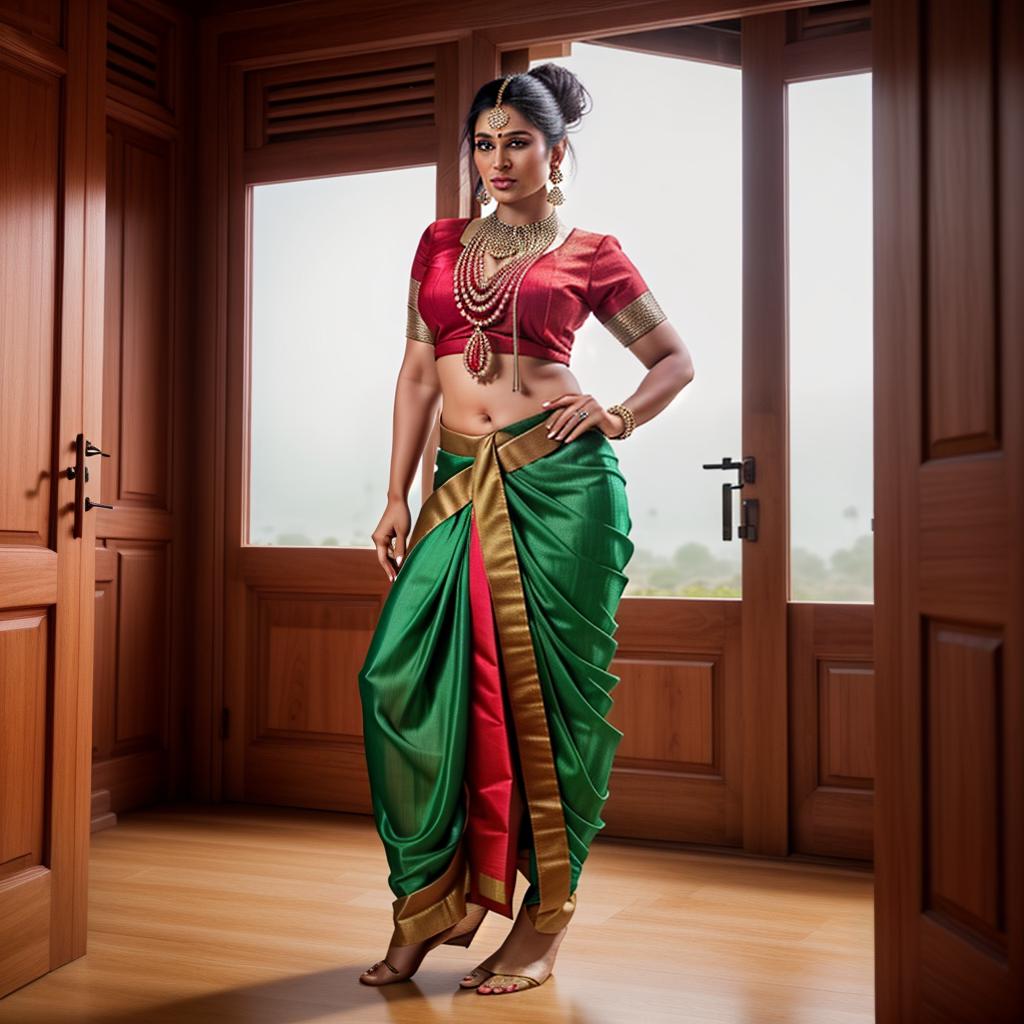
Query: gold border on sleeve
[
  {"x": 415, "y": 326},
  {"x": 493, "y": 455},
  {"x": 634, "y": 320}
]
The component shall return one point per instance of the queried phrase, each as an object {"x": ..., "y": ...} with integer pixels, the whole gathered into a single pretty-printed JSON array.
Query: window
[
  {"x": 330, "y": 271},
  {"x": 830, "y": 339}
]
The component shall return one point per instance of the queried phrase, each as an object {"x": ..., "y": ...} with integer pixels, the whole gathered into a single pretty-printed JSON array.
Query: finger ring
[{"x": 582, "y": 413}]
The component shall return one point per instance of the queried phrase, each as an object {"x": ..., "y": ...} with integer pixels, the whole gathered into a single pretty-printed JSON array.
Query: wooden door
[
  {"x": 51, "y": 333},
  {"x": 809, "y": 657},
  {"x": 949, "y": 120}
]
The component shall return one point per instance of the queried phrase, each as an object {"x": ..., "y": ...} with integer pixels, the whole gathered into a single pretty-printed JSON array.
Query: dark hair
[{"x": 549, "y": 96}]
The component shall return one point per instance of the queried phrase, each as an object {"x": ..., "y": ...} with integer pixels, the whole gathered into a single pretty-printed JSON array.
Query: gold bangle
[{"x": 627, "y": 417}]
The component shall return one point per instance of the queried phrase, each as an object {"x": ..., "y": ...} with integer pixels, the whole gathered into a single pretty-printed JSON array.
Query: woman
[{"x": 485, "y": 690}]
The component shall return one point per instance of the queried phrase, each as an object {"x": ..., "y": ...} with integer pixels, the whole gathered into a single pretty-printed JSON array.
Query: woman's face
[{"x": 516, "y": 153}]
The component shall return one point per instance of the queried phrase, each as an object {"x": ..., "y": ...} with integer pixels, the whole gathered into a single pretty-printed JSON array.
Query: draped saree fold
[{"x": 485, "y": 690}]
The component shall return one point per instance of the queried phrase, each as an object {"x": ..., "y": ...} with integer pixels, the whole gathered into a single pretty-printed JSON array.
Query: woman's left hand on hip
[{"x": 566, "y": 423}]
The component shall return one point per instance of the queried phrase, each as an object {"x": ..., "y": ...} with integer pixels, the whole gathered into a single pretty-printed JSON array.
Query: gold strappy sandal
[
  {"x": 502, "y": 981},
  {"x": 499, "y": 984}
]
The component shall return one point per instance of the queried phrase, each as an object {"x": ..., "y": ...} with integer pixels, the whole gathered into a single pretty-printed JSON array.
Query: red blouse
[{"x": 586, "y": 273}]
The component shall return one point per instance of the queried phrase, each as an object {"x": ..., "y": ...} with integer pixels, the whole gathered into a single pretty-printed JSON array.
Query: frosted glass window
[
  {"x": 330, "y": 272},
  {"x": 830, "y": 339},
  {"x": 678, "y": 218}
]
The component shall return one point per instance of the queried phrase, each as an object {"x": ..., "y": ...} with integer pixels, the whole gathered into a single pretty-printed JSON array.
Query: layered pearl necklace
[{"x": 481, "y": 299}]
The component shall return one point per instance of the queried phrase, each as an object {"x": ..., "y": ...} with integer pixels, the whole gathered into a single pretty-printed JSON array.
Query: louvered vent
[
  {"x": 829, "y": 20},
  {"x": 137, "y": 49},
  {"x": 334, "y": 98}
]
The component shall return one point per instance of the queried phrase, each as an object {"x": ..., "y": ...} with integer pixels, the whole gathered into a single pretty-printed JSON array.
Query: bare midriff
[{"x": 473, "y": 407}]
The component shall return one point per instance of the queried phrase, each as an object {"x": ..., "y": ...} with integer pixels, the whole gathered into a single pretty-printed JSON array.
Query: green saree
[{"x": 488, "y": 671}]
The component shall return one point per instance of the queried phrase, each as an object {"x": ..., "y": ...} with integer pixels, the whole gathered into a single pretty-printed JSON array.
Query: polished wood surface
[{"x": 247, "y": 914}]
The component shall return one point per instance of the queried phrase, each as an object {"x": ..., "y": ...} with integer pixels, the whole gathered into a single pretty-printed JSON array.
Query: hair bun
[{"x": 567, "y": 89}]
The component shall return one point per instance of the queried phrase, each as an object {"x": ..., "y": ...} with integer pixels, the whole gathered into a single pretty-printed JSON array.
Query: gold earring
[
  {"x": 483, "y": 197},
  {"x": 555, "y": 195}
]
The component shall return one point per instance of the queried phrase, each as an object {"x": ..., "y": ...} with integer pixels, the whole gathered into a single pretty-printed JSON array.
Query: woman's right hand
[{"x": 390, "y": 536}]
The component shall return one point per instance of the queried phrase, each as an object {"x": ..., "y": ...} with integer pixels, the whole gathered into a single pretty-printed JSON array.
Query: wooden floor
[{"x": 237, "y": 913}]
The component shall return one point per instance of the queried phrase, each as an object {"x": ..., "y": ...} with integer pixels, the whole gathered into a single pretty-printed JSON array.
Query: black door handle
[
  {"x": 746, "y": 472},
  {"x": 79, "y": 472}
]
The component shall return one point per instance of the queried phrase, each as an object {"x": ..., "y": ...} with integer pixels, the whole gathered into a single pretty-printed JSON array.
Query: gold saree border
[
  {"x": 514, "y": 451},
  {"x": 433, "y": 907},
  {"x": 493, "y": 454}
]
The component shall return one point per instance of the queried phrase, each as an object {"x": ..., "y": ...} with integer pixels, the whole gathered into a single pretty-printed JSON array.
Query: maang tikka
[{"x": 498, "y": 115}]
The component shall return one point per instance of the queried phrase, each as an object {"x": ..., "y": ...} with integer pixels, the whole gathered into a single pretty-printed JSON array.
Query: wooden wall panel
[
  {"x": 142, "y": 646},
  {"x": 139, "y": 426},
  {"x": 43, "y": 19},
  {"x": 143, "y": 632}
]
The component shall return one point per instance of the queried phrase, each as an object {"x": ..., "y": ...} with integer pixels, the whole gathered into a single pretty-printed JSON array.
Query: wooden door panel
[
  {"x": 28, "y": 254},
  {"x": 51, "y": 230},
  {"x": 964, "y": 868},
  {"x": 304, "y": 730},
  {"x": 29, "y": 154},
  {"x": 678, "y": 769},
  {"x": 832, "y": 729},
  {"x": 24, "y": 706},
  {"x": 950, "y": 447}
]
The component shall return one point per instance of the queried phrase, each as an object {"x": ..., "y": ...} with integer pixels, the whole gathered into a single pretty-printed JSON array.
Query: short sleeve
[
  {"x": 416, "y": 327},
  {"x": 618, "y": 295}
]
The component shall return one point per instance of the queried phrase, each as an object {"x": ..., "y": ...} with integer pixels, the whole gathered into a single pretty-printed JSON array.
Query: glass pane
[
  {"x": 830, "y": 339},
  {"x": 678, "y": 218},
  {"x": 330, "y": 272}
]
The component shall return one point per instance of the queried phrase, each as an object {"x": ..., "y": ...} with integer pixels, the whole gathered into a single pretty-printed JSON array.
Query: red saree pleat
[{"x": 492, "y": 826}]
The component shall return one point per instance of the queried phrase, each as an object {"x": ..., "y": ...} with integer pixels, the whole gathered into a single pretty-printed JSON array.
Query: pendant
[{"x": 476, "y": 356}]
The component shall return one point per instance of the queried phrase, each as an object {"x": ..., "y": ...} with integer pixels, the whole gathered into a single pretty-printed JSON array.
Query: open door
[
  {"x": 949, "y": 325},
  {"x": 51, "y": 332}
]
